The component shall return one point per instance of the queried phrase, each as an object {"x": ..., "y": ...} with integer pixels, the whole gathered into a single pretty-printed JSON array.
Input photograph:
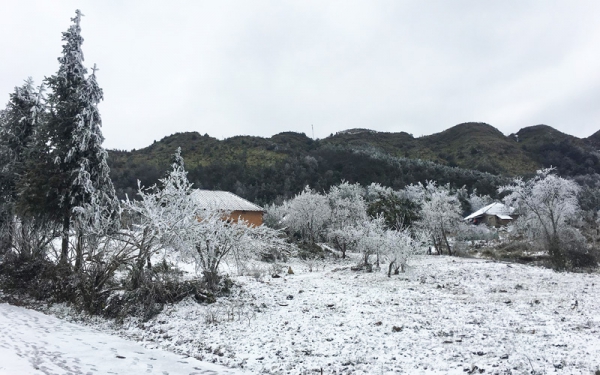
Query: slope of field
[
  {"x": 32, "y": 343},
  {"x": 446, "y": 315}
]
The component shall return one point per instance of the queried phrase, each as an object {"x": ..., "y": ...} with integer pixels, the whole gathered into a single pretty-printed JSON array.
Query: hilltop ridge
[{"x": 263, "y": 168}]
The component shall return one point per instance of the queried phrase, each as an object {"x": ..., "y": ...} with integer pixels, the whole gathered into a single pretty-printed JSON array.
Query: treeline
[
  {"x": 320, "y": 166},
  {"x": 264, "y": 170},
  {"x": 550, "y": 215}
]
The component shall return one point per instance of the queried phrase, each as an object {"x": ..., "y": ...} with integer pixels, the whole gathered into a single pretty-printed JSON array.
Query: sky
[{"x": 259, "y": 68}]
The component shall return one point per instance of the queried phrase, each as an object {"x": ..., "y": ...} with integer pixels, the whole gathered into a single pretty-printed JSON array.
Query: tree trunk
[
  {"x": 447, "y": 244},
  {"x": 556, "y": 255},
  {"x": 25, "y": 245},
  {"x": 138, "y": 269},
  {"x": 436, "y": 244},
  {"x": 11, "y": 229},
  {"x": 79, "y": 251},
  {"x": 64, "y": 251},
  {"x": 212, "y": 279}
]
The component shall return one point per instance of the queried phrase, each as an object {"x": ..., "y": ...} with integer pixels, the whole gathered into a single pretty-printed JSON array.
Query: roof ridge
[
  {"x": 242, "y": 198},
  {"x": 226, "y": 199}
]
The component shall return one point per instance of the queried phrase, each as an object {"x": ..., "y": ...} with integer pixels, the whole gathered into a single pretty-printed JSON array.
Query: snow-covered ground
[
  {"x": 446, "y": 315},
  {"x": 34, "y": 343}
]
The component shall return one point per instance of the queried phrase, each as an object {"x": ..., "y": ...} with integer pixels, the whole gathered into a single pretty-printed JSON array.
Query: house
[
  {"x": 236, "y": 207},
  {"x": 494, "y": 215}
]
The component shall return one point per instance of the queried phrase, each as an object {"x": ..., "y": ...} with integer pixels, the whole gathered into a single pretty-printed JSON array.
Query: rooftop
[
  {"x": 495, "y": 208},
  {"x": 223, "y": 200}
]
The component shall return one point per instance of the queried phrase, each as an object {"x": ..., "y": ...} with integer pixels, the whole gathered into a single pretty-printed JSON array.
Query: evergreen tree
[
  {"x": 69, "y": 174},
  {"x": 17, "y": 125}
]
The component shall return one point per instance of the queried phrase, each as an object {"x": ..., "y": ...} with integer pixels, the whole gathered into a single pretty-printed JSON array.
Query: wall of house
[
  {"x": 490, "y": 220},
  {"x": 254, "y": 218},
  {"x": 504, "y": 222},
  {"x": 494, "y": 221}
]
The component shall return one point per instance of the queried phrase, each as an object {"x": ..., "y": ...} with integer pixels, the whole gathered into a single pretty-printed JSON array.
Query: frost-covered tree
[
  {"x": 161, "y": 212},
  {"x": 212, "y": 239},
  {"x": 348, "y": 211},
  {"x": 93, "y": 195},
  {"x": 546, "y": 204},
  {"x": 440, "y": 212},
  {"x": 347, "y": 203},
  {"x": 308, "y": 214},
  {"x": 401, "y": 246},
  {"x": 478, "y": 201},
  {"x": 371, "y": 240},
  {"x": 18, "y": 122},
  {"x": 170, "y": 217},
  {"x": 68, "y": 169},
  {"x": 275, "y": 215}
]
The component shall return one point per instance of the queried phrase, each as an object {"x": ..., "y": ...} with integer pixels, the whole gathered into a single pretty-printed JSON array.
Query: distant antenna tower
[{"x": 313, "y": 131}]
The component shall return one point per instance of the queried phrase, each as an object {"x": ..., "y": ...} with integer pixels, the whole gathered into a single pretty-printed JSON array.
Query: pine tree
[
  {"x": 17, "y": 125},
  {"x": 68, "y": 174}
]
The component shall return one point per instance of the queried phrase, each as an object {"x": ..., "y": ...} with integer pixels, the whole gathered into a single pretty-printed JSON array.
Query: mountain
[
  {"x": 476, "y": 146},
  {"x": 263, "y": 170},
  {"x": 594, "y": 140},
  {"x": 549, "y": 147}
]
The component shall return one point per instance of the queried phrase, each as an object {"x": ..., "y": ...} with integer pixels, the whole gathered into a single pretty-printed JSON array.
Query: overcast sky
[{"x": 262, "y": 67}]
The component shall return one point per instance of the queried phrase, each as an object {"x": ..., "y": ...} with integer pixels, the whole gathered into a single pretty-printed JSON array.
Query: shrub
[
  {"x": 158, "y": 286},
  {"x": 38, "y": 278}
]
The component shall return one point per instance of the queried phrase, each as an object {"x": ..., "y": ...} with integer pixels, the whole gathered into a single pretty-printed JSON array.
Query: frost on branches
[
  {"x": 401, "y": 247},
  {"x": 342, "y": 217},
  {"x": 547, "y": 205},
  {"x": 348, "y": 212},
  {"x": 68, "y": 173},
  {"x": 200, "y": 235},
  {"x": 18, "y": 123},
  {"x": 308, "y": 214},
  {"x": 371, "y": 240},
  {"x": 397, "y": 247},
  {"x": 440, "y": 212}
]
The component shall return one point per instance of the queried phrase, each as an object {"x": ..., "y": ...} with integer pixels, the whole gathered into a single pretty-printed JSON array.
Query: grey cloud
[{"x": 258, "y": 68}]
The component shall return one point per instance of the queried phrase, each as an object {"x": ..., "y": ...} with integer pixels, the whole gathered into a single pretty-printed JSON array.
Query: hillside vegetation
[{"x": 266, "y": 169}]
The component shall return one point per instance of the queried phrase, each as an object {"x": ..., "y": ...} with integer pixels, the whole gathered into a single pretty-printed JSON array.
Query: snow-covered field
[{"x": 446, "y": 315}]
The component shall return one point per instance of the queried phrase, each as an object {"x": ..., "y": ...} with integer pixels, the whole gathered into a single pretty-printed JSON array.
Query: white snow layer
[
  {"x": 34, "y": 343},
  {"x": 447, "y": 315}
]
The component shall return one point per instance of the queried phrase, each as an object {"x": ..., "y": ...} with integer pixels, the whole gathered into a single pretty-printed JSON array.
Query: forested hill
[{"x": 262, "y": 169}]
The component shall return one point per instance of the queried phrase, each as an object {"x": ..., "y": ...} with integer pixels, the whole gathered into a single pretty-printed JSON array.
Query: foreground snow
[
  {"x": 447, "y": 315},
  {"x": 34, "y": 343}
]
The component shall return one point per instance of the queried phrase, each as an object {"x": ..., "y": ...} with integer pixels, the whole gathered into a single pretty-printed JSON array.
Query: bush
[
  {"x": 307, "y": 251},
  {"x": 575, "y": 249},
  {"x": 577, "y": 259},
  {"x": 37, "y": 278},
  {"x": 460, "y": 248},
  {"x": 477, "y": 233},
  {"x": 158, "y": 286},
  {"x": 514, "y": 250}
]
